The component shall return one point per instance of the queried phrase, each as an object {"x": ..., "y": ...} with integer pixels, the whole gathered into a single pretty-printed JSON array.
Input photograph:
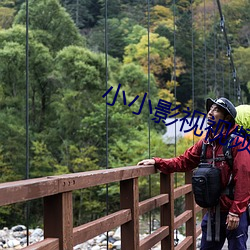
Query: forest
[{"x": 56, "y": 89}]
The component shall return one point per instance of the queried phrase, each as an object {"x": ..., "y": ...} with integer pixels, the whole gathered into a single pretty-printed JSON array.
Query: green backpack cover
[
  {"x": 243, "y": 116},
  {"x": 243, "y": 119}
]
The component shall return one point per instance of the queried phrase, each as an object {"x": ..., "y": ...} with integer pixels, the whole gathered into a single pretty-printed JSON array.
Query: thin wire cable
[
  {"x": 149, "y": 142},
  {"x": 215, "y": 52},
  {"x": 175, "y": 94},
  {"x": 205, "y": 51},
  {"x": 222, "y": 71},
  {"x": 221, "y": 60},
  {"x": 230, "y": 56},
  {"x": 174, "y": 73},
  {"x": 27, "y": 207},
  {"x": 192, "y": 75},
  {"x": 77, "y": 13},
  {"x": 107, "y": 124}
]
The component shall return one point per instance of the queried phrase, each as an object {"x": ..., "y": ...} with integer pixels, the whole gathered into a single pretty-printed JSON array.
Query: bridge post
[
  {"x": 190, "y": 205},
  {"x": 167, "y": 210},
  {"x": 58, "y": 219},
  {"x": 129, "y": 198}
]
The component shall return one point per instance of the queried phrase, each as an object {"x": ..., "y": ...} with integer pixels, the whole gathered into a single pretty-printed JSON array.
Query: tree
[
  {"x": 242, "y": 64},
  {"x": 84, "y": 13},
  {"x": 40, "y": 60},
  {"x": 161, "y": 57},
  {"x": 12, "y": 62},
  {"x": 118, "y": 31},
  {"x": 12, "y": 150},
  {"x": 161, "y": 16},
  {"x": 53, "y": 25},
  {"x": 77, "y": 73},
  {"x": 237, "y": 17},
  {"x": 42, "y": 163},
  {"x": 6, "y": 17}
]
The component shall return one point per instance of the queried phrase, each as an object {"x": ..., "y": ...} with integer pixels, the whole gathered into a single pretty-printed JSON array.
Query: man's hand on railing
[{"x": 146, "y": 162}]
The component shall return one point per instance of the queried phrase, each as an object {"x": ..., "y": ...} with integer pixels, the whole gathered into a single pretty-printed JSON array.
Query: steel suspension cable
[
  {"x": 222, "y": 67},
  {"x": 229, "y": 83},
  {"x": 215, "y": 52},
  {"x": 174, "y": 71},
  {"x": 205, "y": 50},
  {"x": 192, "y": 73},
  {"x": 175, "y": 95},
  {"x": 27, "y": 207},
  {"x": 149, "y": 126},
  {"x": 107, "y": 120},
  {"x": 221, "y": 48},
  {"x": 229, "y": 54}
]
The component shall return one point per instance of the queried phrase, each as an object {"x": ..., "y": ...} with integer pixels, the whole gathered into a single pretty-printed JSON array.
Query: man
[{"x": 233, "y": 212}]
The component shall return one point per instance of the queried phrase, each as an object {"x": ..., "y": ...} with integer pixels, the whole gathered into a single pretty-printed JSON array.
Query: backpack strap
[
  {"x": 217, "y": 207},
  {"x": 203, "y": 152},
  {"x": 216, "y": 159},
  {"x": 217, "y": 223},
  {"x": 227, "y": 151},
  {"x": 209, "y": 225}
]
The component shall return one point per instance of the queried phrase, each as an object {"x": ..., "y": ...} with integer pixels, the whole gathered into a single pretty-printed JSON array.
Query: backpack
[
  {"x": 206, "y": 183},
  {"x": 206, "y": 179}
]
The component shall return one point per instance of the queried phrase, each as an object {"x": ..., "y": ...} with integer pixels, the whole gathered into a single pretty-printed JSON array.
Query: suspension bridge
[{"x": 56, "y": 192}]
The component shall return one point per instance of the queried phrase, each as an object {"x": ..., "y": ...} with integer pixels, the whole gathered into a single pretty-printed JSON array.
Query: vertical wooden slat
[
  {"x": 167, "y": 210},
  {"x": 129, "y": 197},
  {"x": 190, "y": 205},
  {"x": 58, "y": 219}
]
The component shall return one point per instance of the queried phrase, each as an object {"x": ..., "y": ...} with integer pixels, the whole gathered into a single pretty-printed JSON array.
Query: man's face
[{"x": 216, "y": 112}]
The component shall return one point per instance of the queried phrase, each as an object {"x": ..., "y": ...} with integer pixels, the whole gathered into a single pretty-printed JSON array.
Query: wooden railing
[{"x": 59, "y": 232}]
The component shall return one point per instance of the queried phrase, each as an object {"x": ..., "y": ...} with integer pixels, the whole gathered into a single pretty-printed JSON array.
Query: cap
[{"x": 223, "y": 103}]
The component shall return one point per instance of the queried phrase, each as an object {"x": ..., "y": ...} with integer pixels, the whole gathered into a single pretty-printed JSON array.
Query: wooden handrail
[
  {"x": 24, "y": 190},
  {"x": 90, "y": 230},
  {"x": 58, "y": 208}
]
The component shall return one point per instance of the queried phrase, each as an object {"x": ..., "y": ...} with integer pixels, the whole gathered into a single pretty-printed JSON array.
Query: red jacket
[{"x": 241, "y": 170}]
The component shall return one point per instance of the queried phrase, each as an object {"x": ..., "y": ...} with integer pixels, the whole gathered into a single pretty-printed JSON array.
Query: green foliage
[
  {"x": 136, "y": 34},
  {"x": 237, "y": 13},
  {"x": 118, "y": 32},
  {"x": 161, "y": 16},
  {"x": 53, "y": 24},
  {"x": 81, "y": 160},
  {"x": 242, "y": 63},
  {"x": 79, "y": 68},
  {"x": 42, "y": 162},
  {"x": 12, "y": 59},
  {"x": 136, "y": 82},
  {"x": 129, "y": 152},
  {"x": 84, "y": 13},
  {"x": 161, "y": 53},
  {"x": 12, "y": 149},
  {"x": 6, "y": 17}
]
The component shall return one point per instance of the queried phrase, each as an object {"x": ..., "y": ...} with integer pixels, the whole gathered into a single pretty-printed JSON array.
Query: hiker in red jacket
[{"x": 233, "y": 208}]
